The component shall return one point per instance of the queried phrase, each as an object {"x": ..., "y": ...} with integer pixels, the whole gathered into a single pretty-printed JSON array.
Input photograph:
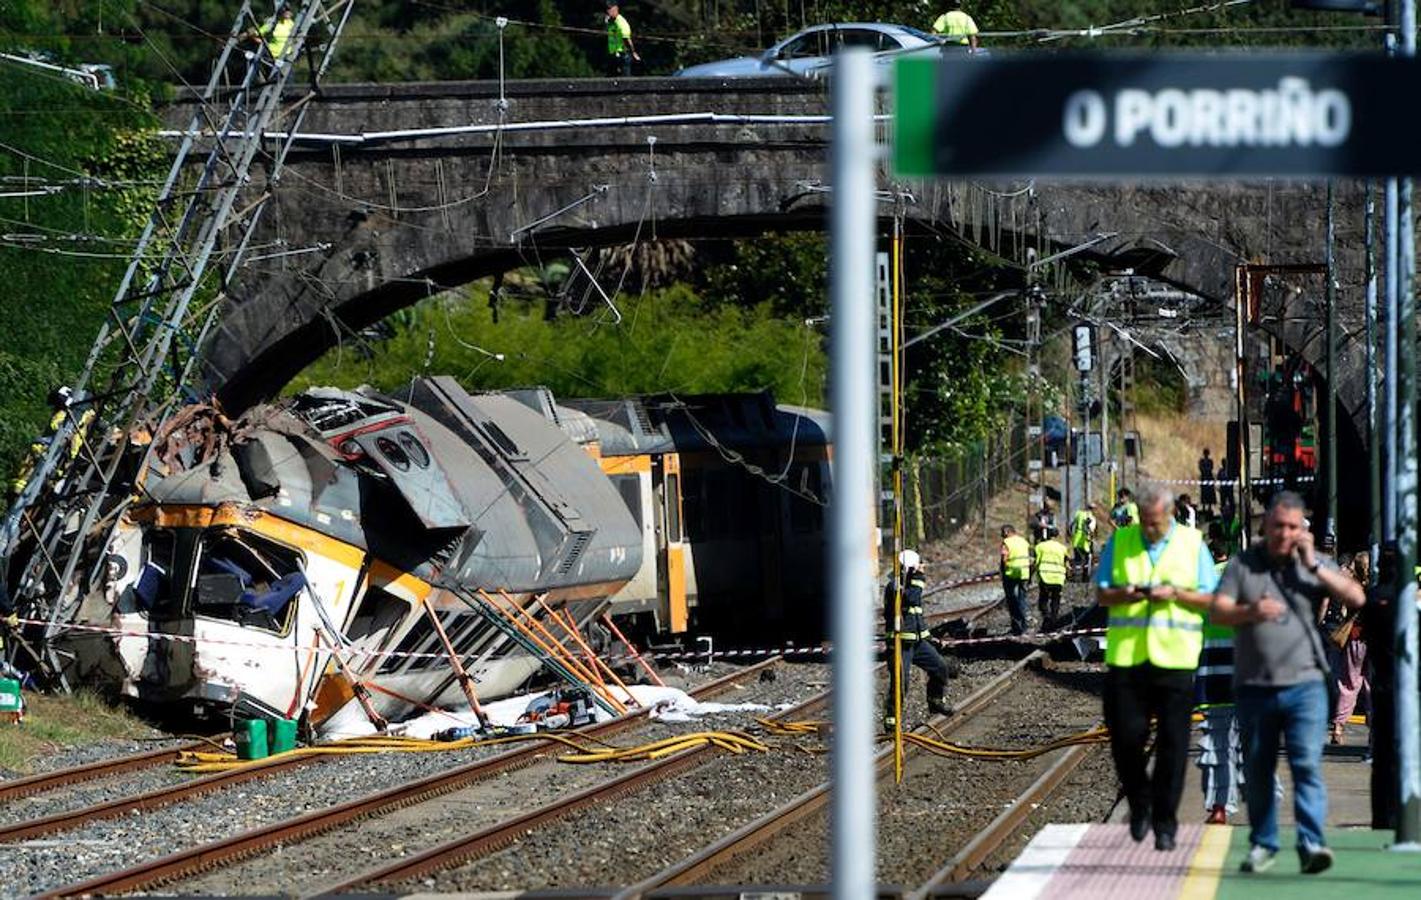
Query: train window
[
  {"x": 673, "y": 508},
  {"x": 629, "y": 487},
  {"x": 433, "y": 647},
  {"x": 692, "y": 506},
  {"x": 245, "y": 579},
  {"x": 379, "y": 613},
  {"x": 393, "y": 453},
  {"x": 476, "y": 629},
  {"x": 415, "y": 449},
  {"x": 154, "y": 585},
  {"x": 419, "y": 632}
]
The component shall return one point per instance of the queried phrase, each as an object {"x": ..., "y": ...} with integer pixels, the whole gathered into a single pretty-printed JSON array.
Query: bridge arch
[{"x": 385, "y": 221}]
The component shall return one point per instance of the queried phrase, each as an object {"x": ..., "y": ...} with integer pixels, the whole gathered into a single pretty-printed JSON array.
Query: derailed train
[{"x": 321, "y": 556}]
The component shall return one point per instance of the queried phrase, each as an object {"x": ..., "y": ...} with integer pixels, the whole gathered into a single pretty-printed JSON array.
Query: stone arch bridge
[{"x": 404, "y": 190}]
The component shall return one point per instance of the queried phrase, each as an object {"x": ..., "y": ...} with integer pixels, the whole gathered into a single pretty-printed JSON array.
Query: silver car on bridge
[{"x": 808, "y": 52}]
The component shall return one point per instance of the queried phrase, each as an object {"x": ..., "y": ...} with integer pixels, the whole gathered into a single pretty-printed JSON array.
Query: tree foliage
[
  {"x": 668, "y": 340},
  {"x": 61, "y": 253}
]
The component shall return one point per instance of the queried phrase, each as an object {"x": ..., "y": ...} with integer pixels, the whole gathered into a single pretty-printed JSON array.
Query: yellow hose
[{"x": 584, "y": 750}]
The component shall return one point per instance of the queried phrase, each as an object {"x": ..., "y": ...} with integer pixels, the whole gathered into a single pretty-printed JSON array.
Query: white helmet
[{"x": 908, "y": 559}]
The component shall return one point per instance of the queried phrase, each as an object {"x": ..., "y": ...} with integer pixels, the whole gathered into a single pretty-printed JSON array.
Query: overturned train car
[
  {"x": 730, "y": 492},
  {"x": 321, "y": 556}
]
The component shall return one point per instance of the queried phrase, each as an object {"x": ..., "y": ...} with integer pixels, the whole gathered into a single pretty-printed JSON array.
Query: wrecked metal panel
[{"x": 405, "y": 457}]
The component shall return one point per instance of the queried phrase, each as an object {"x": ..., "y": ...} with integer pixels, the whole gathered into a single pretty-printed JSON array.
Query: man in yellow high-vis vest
[
  {"x": 1016, "y": 570},
  {"x": 956, "y": 27},
  {"x": 1050, "y": 567},
  {"x": 1156, "y": 580}
]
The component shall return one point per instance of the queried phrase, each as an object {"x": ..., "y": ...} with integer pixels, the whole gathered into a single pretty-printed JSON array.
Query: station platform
[{"x": 1099, "y": 861}]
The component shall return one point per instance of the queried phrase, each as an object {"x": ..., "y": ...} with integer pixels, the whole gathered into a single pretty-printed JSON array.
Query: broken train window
[{"x": 247, "y": 579}]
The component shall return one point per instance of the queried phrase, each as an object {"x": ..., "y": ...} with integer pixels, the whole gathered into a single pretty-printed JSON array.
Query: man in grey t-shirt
[{"x": 1270, "y": 593}]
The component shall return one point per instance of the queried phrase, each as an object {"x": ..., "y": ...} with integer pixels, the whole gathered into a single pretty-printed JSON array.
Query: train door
[{"x": 670, "y": 540}]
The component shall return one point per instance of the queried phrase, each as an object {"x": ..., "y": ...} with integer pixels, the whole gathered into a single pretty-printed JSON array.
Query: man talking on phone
[
  {"x": 1156, "y": 580},
  {"x": 1270, "y": 593}
]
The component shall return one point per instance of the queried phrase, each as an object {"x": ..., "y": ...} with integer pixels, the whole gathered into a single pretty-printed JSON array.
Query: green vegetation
[
  {"x": 737, "y": 324},
  {"x": 55, "y": 287},
  {"x": 668, "y": 340},
  {"x": 55, "y": 722}
]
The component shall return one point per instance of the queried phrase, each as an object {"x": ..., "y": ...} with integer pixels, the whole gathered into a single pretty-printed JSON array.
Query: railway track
[
  {"x": 104, "y": 768},
  {"x": 495, "y": 837},
  {"x": 807, "y": 804},
  {"x": 187, "y": 862},
  {"x": 968, "y": 861}
]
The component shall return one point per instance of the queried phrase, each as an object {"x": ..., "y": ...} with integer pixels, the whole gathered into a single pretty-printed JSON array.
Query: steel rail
[
  {"x": 990, "y": 839},
  {"x": 773, "y": 823},
  {"x": 48, "y": 781},
  {"x": 187, "y": 862},
  {"x": 495, "y": 837},
  {"x": 76, "y": 818}
]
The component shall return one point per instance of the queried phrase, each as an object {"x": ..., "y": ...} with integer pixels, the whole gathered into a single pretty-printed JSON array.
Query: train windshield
[{"x": 247, "y": 579}]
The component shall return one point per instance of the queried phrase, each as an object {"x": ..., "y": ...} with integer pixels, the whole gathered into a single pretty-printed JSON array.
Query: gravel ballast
[
  {"x": 638, "y": 835},
  {"x": 30, "y": 866},
  {"x": 943, "y": 802},
  {"x": 325, "y": 859}
]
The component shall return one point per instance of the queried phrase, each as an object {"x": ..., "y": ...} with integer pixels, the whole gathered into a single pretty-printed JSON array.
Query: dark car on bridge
[{"x": 808, "y": 52}]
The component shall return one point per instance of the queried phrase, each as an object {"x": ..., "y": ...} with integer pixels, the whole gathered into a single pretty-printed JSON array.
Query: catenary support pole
[
  {"x": 852, "y": 216},
  {"x": 1369, "y": 239},
  {"x": 1408, "y": 705},
  {"x": 1330, "y": 472}
]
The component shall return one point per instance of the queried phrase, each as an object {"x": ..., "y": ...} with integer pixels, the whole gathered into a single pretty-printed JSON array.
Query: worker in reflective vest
[
  {"x": 1156, "y": 581},
  {"x": 620, "y": 49},
  {"x": 277, "y": 33},
  {"x": 956, "y": 27},
  {"x": 1016, "y": 570},
  {"x": 1050, "y": 566},
  {"x": 1083, "y": 525},
  {"x": 911, "y": 627}
]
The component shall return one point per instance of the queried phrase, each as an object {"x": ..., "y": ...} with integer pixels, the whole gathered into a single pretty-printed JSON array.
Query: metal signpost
[
  {"x": 852, "y": 222},
  {"x": 1160, "y": 115}
]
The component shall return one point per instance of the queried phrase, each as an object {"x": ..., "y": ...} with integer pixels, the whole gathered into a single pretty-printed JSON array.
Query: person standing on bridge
[
  {"x": 1270, "y": 593},
  {"x": 1155, "y": 580},
  {"x": 956, "y": 27},
  {"x": 620, "y": 49}
]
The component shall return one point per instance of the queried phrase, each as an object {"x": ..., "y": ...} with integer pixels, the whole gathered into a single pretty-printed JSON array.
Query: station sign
[{"x": 1162, "y": 114}]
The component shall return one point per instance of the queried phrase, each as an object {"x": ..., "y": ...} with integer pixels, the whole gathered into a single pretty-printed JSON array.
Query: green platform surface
[{"x": 1364, "y": 868}]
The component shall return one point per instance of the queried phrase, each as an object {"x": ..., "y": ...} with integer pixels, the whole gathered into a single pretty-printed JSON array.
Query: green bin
[
  {"x": 251, "y": 739},
  {"x": 281, "y": 735},
  {"x": 10, "y": 701}
]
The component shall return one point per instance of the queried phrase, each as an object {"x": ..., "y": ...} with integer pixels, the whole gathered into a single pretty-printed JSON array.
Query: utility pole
[
  {"x": 1035, "y": 461},
  {"x": 1330, "y": 471},
  {"x": 1408, "y": 709},
  {"x": 1373, "y": 433},
  {"x": 851, "y": 577}
]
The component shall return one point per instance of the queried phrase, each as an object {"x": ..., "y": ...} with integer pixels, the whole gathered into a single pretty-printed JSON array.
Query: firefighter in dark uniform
[{"x": 918, "y": 650}]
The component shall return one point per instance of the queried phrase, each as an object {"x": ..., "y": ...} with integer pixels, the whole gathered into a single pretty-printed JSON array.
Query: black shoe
[
  {"x": 1139, "y": 825},
  {"x": 1164, "y": 841},
  {"x": 940, "y": 707}
]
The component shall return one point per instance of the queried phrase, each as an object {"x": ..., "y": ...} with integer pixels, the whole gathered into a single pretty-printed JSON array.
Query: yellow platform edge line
[{"x": 1207, "y": 866}]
